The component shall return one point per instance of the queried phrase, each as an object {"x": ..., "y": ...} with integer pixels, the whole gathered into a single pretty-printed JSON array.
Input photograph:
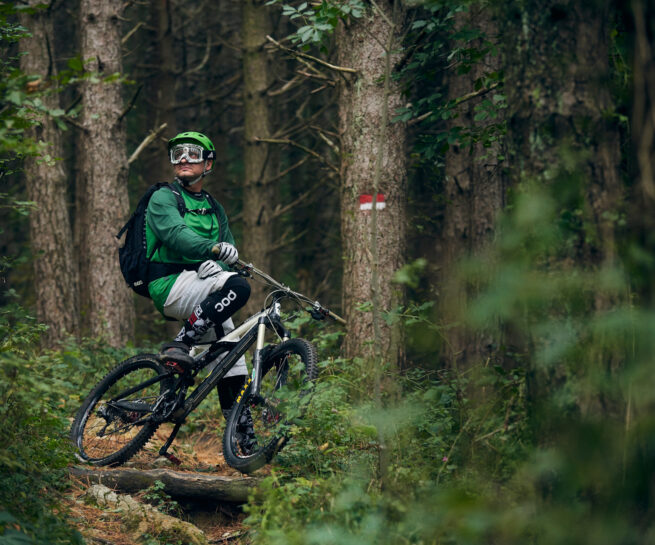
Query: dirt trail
[{"x": 201, "y": 457}]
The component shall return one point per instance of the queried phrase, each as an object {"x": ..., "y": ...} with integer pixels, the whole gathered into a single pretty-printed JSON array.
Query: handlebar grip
[{"x": 336, "y": 317}]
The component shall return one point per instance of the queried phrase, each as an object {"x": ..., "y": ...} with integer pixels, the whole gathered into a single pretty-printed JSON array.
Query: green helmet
[{"x": 191, "y": 137}]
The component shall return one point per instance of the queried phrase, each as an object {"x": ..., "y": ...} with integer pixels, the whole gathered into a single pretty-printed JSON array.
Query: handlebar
[{"x": 318, "y": 311}]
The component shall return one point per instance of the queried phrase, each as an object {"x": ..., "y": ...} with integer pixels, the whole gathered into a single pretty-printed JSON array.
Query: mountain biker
[{"x": 189, "y": 258}]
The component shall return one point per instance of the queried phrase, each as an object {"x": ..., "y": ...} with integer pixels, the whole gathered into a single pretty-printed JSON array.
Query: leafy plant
[
  {"x": 156, "y": 496},
  {"x": 318, "y": 20}
]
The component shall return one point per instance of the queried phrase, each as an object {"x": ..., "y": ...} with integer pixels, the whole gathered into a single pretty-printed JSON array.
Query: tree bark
[
  {"x": 46, "y": 179},
  {"x": 642, "y": 210},
  {"x": 474, "y": 193},
  {"x": 361, "y": 46},
  {"x": 161, "y": 92},
  {"x": 557, "y": 86},
  {"x": 560, "y": 133},
  {"x": 107, "y": 302},
  {"x": 258, "y": 189}
]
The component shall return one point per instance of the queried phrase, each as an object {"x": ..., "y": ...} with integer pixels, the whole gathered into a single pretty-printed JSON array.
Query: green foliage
[
  {"x": 438, "y": 44},
  {"x": 39, "y": 391},
  {"x": 157, "y": 497},
  {"x": 318, "y": 20},
  {"x": 549, "y": 440},
  {"x": 327, "y": 487}
]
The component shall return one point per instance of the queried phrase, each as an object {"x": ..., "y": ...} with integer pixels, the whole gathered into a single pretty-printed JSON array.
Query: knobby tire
[
  {"x": 109, "y": 431},
  {"x": 287, "y": 372}
]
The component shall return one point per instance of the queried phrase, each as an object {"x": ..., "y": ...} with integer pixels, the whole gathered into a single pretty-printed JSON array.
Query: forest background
[{"x": 493, "y": 384}]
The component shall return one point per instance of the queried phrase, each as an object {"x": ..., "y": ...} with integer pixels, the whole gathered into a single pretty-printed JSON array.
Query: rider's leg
[
  {"x": 228, "y": 390},
  {"x": 217, "y": 307},
  {"x": 187, "y": 291},
  {"x": 214, "y": 309}
]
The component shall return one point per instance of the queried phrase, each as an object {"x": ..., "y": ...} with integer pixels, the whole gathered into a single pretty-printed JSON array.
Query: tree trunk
[
  {"x": 362, "y": 101},
  {"x": 560, "y": 133},
  {"x": 106, "y": 299},
  {"x": 642, "y": 212},
  {"x": 161, "y": 93},
  {"x": 55, "y": 274},
  {"x": 474, "y": 193},
  {"x": 258, "y": 189},
  {"x": 557, "y": 86}
]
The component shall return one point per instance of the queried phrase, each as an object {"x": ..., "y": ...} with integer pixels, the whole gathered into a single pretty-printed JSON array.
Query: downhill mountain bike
[{"x": 126, "y": 407}]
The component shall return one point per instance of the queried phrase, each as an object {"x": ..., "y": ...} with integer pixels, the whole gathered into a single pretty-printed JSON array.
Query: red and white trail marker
[{"x": 366, "y": 202}]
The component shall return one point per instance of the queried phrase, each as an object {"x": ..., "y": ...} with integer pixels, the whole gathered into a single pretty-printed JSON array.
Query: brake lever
[{"x": 317, "y": 314}]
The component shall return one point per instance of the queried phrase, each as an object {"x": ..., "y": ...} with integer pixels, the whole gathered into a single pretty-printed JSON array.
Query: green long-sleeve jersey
[{"x": 172, "y": 238}]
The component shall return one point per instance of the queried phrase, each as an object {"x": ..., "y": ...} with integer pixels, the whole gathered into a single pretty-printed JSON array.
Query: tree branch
[
  {"x": 286, "y": 87},
  {"x": 204, "y": 59},
  {"x": 131, "y": 104},
  {"x": 456, "y": 102},
  {"x": 290, "y": 169},
  {"x": 314, "y": 59},
  {"x": 285, "y": 241},
  {"x": 280, "y": 210},
  {"x": 75, "y": 124},
  {"x": 299, "y": 146},
  {"x": 146, "y": 142},
  {"x": 129, "y": 34}
]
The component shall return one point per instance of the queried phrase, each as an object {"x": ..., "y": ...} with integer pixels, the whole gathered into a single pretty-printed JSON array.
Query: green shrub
[{"x": 39, "y": 393}]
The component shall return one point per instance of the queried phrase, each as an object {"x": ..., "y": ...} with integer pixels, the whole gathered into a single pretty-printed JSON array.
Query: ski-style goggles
[{"x": 191, "y": 152}]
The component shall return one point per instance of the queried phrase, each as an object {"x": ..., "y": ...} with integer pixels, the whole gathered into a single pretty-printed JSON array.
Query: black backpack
[{"x": 137, "y": 269}]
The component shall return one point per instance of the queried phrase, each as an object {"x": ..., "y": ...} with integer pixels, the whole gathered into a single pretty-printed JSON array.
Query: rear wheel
[
  {"x": 113, "y": 422},
  {"x": 258, "y": 426}
]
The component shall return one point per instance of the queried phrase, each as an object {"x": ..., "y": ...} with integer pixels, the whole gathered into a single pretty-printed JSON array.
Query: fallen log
[{"x": 177, "y": 484}]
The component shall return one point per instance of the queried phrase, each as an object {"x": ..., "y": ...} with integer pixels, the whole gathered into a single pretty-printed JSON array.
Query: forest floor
[{"x": 199, "y": 452}]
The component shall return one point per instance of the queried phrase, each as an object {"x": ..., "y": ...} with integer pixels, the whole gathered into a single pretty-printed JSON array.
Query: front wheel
[
  {"x": 258, "y": 426},
  {"x": 114, "y": 421}
]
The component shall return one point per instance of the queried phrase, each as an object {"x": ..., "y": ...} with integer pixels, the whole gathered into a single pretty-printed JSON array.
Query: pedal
[
  {"x": 172, "y": 458},
  {"x": 175, "y": 367}
]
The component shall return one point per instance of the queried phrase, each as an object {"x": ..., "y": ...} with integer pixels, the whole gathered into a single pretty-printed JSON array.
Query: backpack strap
[
  {"x": 143, "y": 203},
  {"x": 214, "y": 203},
  {"x": 126, "y": 226},
  {"x": 180, "y": 200},
  {"x": 215, "y": 207}
]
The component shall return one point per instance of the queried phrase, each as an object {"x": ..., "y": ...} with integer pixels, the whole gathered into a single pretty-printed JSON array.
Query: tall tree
[
  {"x": 107, "y": 302},
  {"x": 258, "y": 188},
  {"x": 562, "y": 139},
  {"x": 46, "y": 180},
  {"x": 161, "y": 88},
  {"x": 557, "y": 86},
  {"x": 373, "y": 161},
  {"x": 474, "y": 184}
]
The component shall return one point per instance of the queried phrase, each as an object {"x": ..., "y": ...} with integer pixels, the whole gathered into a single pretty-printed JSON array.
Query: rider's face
[{"x": 189, "y": 171}]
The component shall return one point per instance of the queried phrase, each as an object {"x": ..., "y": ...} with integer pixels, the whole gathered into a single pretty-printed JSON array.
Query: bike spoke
[{"x": 116, "y": 419}]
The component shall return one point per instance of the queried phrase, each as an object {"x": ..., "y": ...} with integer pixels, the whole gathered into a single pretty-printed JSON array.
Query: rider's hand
[
  {"x": 208, "y": 268},
  {"x": 226, "y": 253}
]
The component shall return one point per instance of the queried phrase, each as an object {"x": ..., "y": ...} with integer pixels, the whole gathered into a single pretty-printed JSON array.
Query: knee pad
[{"x": 220, "y": 305}]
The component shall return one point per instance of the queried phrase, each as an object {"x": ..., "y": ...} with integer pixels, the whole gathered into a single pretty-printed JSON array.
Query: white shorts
[{"x": 186, "y": 294}]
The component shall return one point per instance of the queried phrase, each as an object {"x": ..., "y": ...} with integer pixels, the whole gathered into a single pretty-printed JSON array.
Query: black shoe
[{"x": 175, "y": 355}]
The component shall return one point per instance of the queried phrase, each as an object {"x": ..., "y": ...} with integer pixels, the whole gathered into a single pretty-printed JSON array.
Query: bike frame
[
  {"x": 236, "y": 343},
  {"x": 251, "y": 330}
]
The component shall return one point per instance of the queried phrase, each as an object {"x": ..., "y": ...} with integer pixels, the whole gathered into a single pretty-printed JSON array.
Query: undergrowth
[
  {"x": 39, "y": 392},
  {"x": 336, "y": 482},
  {"x": 549, "y": 440}
]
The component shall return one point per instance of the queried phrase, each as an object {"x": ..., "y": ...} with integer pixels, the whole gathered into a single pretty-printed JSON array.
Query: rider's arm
[{"x": 167, "y": 224}]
